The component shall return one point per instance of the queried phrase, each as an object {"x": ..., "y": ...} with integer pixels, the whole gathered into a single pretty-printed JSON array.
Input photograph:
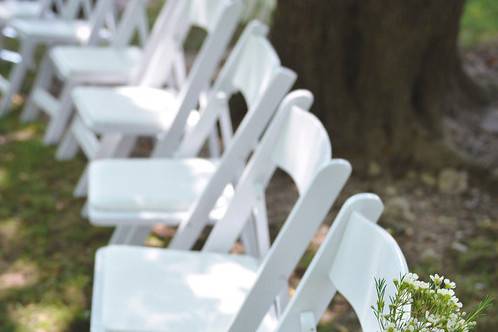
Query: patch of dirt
[{"x": 474, "y": 133}]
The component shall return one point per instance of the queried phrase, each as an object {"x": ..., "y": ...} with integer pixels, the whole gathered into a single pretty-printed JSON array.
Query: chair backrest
[
  {"x": 112, "y": 20},
  {"x": 274, "y": 86},
  {"x": 249, "y": 69},
  {"x": 355, "y": 252},
  {"x": 162, "y": 27},
  {"x": 292, "y": 123},
  {"x": 218, "y": 18},
  {"x": 70, "y": 9},
  {"x": 51, "y": 8},
  {"x": 318, "y": 189}
]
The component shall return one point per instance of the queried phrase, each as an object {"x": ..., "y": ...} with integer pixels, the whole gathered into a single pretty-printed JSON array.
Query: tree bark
[{"x": 383, "y": 72}]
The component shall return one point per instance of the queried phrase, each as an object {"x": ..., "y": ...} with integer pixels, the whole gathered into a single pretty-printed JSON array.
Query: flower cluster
[{"x": 420, "y": 306}]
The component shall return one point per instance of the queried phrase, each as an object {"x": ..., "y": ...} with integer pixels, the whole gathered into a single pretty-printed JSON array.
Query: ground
[{"x": 445, "y": 220}]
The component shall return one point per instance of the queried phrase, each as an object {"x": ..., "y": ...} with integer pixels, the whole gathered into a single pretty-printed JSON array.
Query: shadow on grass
[{"x": 46, "y": 248}]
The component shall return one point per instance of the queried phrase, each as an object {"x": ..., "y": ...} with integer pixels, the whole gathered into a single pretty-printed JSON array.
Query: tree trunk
[{"x": 383, "y": 72}]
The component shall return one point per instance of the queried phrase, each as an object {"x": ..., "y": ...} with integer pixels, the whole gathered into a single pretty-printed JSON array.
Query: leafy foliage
[{"x": 420, "y": 306}]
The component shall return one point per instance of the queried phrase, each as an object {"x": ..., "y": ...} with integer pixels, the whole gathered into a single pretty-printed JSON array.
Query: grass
[
  {"x": 479, "y": 22},
  {"x": 46, "y": 249}
]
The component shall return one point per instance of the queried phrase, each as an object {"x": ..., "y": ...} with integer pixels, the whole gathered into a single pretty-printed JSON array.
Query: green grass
[
  {"x": 479, "y": 22},
  {"x": 46, "y": 249}
]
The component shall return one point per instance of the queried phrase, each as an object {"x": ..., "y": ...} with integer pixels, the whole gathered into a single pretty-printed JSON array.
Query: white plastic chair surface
[
  {"x": 279, "y": 82},
  {"x": 93, "y": 64},
  {"x": 66, "y": 28},
  {"x": 88, "y": 100},
  {"x": 240, "y": 297},
  {"x": 10, "y": 9},
  {"x": 353, "y": 255}
]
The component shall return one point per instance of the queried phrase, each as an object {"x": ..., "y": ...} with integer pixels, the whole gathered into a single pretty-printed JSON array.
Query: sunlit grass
[
  {"x": 41, "y": 318},
  {"x": 479, "y": 22},
  {"x": 46, "y": 248}
]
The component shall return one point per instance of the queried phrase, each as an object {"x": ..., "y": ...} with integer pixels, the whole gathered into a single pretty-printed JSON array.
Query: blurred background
[{"x": 409, "y": 93}]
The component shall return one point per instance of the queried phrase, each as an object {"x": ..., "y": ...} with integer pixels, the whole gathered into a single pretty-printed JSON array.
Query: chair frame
[
  {"x": 59, "y": 109},
  {"x": 318, "y": 285},
  {"x": 318, "y": 190},
  {"x": 171, "y": 143},
  {"x": 97, "y": 18},
  {"x": 133, "y": 227}
]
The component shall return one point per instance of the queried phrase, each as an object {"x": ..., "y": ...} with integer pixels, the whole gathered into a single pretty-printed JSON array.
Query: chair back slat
[
  {"x": 118, "y": 22},
  {"x": 261, "y": 168},
  {"x": 323, "y": 183},
  {"x": 51, "y": 8},
  {"x": 58, "y": 4},
  {"x": 170, "y": 31},
  {"x": 152, "y": 57},
  {"x": 375, "y": 255},
  {"x": 72, "y": 8},
  {"x": 133, "y": 19},
  {"x": 200, "y": 76},
  {"x": 258, "y": 61},
  {"x": 302, "y": 148},
  {"x": 354, "y": 253},
  {"x": 235, "y": 69},
  {"x": 203, "y": 13},
  {"x": 291, "y": 243}
]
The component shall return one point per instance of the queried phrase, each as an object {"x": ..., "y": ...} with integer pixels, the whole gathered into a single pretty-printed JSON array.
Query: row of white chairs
[{"x": 114, "y": 93}]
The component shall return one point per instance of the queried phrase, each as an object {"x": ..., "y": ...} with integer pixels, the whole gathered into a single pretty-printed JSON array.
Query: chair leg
[
  {"x": 59, "y": 120},
  {"x": 81, "y": 188},
  {"x": 119, "y": 235},
  {"x": 214, "y": 145},
  {"x": 68, "y": 148},
  {"x": 84, "y": 211},
  {"x": 249, "y": 239},
  {"x": 282, "y": 299},
  {"x": 31, "y": 111},
  {"x": 256, "y": 234},
  {"x": 131, "y": 235},
  {"x": 125, "y": 147},
  {"x": 17, "y": 75},
  {"x": 107, "y": 149}
]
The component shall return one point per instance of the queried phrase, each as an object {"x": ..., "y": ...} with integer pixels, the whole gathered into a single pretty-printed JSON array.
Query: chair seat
[
  {"x": 149, "y": 289},
  {"x": 149, "y": 185},
  {"x": 132, "y": 110},
  {"x": 53, "y": 30},
  {"x": 19, "y": 9},
  {"x": 104, "y": 65}
]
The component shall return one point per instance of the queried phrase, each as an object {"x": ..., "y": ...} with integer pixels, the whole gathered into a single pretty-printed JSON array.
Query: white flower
[
  {"x": 445, "y": 292},
  {"x": 457, "y": 302},
  {"x": 449, "y": 284},
  {"x": 421, "y": 284},
  {"x": 410, "y": 278},
  {"x": 437, "y": 279}
]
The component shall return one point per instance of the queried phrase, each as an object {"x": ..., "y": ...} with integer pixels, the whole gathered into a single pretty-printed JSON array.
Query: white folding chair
[
  {"x": 15, "y": 9},
  {"x": 115, "y": 64},
  {"x": 353, "y": 255},
  {"x": 11, "y": 9},
  {"x": 67, "y": 28},
  {"x": 176, "y": 290},
  {"x": 109, "y": 119},
  {"x": 135, "y": 194}
]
